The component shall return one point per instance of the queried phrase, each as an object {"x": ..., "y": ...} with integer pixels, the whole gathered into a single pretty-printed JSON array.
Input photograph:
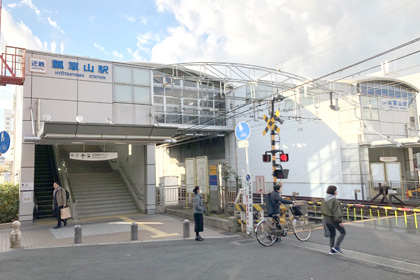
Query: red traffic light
[{"x": 284, "y": 157}]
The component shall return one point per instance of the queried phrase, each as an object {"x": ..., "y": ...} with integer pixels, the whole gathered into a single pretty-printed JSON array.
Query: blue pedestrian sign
[
  {"x": 4, "y": 142},
  {"x": 242, "y": 131}
]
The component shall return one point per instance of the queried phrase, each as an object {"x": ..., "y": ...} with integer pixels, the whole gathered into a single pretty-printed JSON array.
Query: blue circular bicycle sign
[
  {"x": 242, "y": 131},
  {"x": 4, "y": 142}
]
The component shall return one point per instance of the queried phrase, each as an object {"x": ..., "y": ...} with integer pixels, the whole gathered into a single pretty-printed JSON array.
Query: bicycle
[{"x": 267, "y": 232}]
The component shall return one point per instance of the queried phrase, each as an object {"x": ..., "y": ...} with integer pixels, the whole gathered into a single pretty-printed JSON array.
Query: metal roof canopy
[
  {"x": 104, "y": 133},
  {"x": 234, "y": 75}
]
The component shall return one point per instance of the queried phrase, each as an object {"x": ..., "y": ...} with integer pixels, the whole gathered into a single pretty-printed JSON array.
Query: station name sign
[
  {"x": 387, "y": 159},
  {"x": 70, "y": 68}
]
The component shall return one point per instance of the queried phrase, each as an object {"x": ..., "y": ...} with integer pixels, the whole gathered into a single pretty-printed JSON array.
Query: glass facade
[
  {"x": 132, "y": 85},
  {"x": 179, "y": 101},
  {"x": 385, "y": 95}
]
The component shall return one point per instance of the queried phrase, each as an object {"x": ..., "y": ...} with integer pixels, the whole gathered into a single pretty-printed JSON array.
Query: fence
[
  {"x": 177, "y": 195},
  {"x": 408, "y": 191}
]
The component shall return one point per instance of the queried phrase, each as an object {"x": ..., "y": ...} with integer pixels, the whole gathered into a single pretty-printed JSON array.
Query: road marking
[
  {"x": 145, "y": 226},
  {"x": 360, "y": 257}
]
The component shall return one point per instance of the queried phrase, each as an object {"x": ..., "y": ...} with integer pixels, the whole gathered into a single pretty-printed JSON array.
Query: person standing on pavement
[
  {"x": 198, "y": 210},
  {"x": 59, "y": 202},
  {"x": 333, "y": 218}
]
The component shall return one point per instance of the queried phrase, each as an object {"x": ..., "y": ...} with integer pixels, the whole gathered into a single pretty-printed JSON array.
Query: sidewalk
[{"x": 103, "y": 230}]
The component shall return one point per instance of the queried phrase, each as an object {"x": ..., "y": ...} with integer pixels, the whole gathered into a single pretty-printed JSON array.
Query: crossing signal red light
[{"x": 284, "y": 157}]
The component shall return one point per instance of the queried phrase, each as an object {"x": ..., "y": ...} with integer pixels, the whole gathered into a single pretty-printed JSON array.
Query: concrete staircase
[{"x": 97, "y": 189}]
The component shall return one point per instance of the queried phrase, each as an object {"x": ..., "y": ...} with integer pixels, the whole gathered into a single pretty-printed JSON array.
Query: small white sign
[
  {"x": 38, "y": 65},
  {"x": 26, "y": 186},
  {"x": 94, "y": 156},
  {"x": 260, "y": 184},
  {"x": 387, "y": 159},
  {"x": 243, "y": 144},
  {"x": 27, "y": 197}
]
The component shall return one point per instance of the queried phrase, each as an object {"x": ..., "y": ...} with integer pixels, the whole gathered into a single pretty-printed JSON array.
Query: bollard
[
  {"x": 77, "y": 234},
  {"x": 134, "y": 231},
  {"x": 15, "y": 236},
  {"x": 186, "y": 224}
]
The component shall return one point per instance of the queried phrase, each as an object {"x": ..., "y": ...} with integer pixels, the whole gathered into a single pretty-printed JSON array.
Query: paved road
[{"x": 370, "y": 253}]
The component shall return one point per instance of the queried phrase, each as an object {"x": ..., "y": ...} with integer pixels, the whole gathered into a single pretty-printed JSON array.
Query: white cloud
[
  {"x": 52, "y": 23},
  {"x": 53, "y": 46},
  {"x": 17, "y": 34},
  {"x": 302, "y": 37},
  {"x": 135, "y": 55},
  {"x": 11, "y": 5},
  {"x": 130, "y": 18},
  {"x": 62, "y": 48},
  {"x": 102, "y": 49},
  {"x": 30, "y": 5},
  {"x": 143, "y": 20},
  {"x": 117, "y": 54}
]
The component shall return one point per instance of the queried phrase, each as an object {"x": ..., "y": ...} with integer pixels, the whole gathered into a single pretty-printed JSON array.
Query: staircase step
[{"x": 106, "y": 213}]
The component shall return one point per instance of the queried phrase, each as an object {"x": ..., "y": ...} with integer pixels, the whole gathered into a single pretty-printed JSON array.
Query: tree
[{"x": 227, "y": 172}]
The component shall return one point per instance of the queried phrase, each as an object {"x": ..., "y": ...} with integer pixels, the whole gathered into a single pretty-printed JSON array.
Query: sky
[{"x": 309, "y": 38}]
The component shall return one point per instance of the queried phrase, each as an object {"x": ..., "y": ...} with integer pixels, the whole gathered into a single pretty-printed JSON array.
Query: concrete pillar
[
  {"x": 150, "y": 179},
  {"x": 26, "y": 190}
]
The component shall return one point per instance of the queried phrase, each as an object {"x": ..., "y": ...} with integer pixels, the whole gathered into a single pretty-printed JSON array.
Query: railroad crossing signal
[{"x": 271, "y": 123}]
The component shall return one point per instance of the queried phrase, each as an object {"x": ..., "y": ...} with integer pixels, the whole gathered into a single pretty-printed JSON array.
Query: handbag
[{"x": 65, "y": 213}]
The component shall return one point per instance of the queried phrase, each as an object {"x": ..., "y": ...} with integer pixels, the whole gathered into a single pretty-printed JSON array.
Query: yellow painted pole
[
  {"x": 315, "y": 209},
  {"x": 370, "y": 213},
  {"x": 361, "y": 213},
  {"x": 396, "y": 220},
  {"x": 386, "y": 214},
  {"x": 415, "y": 218},
  {"x": 405, "y": 218},
  {"x": 354, "y": 210},
  {"x": 348, "y": 216},
  {"x": 379, "y": 217}
]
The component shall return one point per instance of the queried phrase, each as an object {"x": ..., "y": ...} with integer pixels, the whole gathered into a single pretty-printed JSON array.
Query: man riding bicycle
[{"x": 275, "y": 203}]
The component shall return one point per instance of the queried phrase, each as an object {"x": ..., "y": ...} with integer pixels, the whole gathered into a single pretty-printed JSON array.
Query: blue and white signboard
[
  {"x": 4, "y": 142},
  {"x": 242, "y": 131}
]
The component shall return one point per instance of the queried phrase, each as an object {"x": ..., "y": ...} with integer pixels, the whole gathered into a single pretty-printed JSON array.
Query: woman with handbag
[
  {"x": 333, "y": 218},
  {"x": 59, "y": 202},
  {"x": 198, "y": 210}
]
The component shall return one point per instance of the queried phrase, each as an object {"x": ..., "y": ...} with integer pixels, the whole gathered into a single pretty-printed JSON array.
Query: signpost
[
  {"x": 242, "y": 132},
  {"x": 4, "y": 142}
]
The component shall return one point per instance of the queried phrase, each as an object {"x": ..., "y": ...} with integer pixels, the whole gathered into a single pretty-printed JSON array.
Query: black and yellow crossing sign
[{"x": 271, "y": 123}]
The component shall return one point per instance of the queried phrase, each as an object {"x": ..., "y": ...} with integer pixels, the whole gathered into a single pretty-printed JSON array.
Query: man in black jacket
[{"x": 275, "y": 203}]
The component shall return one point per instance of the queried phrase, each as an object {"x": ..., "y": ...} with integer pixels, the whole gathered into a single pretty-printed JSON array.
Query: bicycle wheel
[
  {"x": 302, "y": 228},
  {"x": 263, "y": 235}
]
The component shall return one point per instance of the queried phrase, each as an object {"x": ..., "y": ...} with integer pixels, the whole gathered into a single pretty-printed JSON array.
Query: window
[{"x": 132, "y": 85}]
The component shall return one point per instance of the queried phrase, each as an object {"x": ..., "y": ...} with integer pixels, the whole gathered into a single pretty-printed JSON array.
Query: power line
[
  {"x": 324, "y": 76},
  {"x": 306, "y": 58},
  {"x": 352, "y": 29}
]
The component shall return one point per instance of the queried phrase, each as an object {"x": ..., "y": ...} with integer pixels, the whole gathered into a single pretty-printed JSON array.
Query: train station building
[{"x": 108, "y": 131}]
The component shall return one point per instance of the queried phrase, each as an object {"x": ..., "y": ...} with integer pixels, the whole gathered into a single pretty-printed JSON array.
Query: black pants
[
  {"x": 332, "y": 226},
  {"x": 57, "y": 214},
  {"x": 199, "y": 223}
]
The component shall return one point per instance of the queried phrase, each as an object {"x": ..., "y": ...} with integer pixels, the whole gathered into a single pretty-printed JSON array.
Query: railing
[
  {"x": 405, "y": 190},
  {"x": 13, "y": 66},
  {"x": 167, "y": 196}
]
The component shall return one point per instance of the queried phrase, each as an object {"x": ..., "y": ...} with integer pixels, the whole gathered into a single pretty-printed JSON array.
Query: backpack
[{"x": 268, "y": 204}]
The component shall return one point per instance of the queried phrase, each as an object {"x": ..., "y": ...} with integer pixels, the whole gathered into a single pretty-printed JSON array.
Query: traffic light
[
  {"x": 284, "y": 157},
  {"x": 281, "y": 173}
]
